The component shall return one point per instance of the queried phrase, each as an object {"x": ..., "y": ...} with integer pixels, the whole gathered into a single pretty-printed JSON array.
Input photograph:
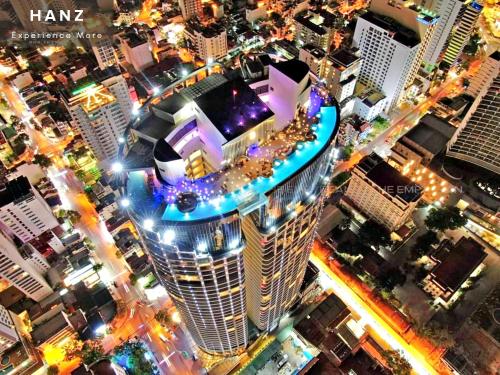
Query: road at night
[
  {"x": 378, "y": 326},
  {"x": 401, "y": 124},
  {"x": 137, "y": 317}
]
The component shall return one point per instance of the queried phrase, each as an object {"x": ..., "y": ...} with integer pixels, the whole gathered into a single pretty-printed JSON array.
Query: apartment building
[
  {"x": 466, "y": 22},
  {"x": 18, "y": 271},
  {"x": 341, "y": 71},
  {"x": 381, "y": 193},
  {"x": 23, "y": 211},
  {"x": 104, "y": 52},
  {"x": 209, "y": 42},
  {"x": 101, "y": 110},
  {"x": 314, "y": 57}
]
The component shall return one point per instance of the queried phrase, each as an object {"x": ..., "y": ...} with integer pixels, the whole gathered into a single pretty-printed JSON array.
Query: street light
[
  {"x": 168, "y": 236},
  {"x": 148, "y": 224},
  {"x": 117, "y": 167},
  {"x": 125, "y": 202}
]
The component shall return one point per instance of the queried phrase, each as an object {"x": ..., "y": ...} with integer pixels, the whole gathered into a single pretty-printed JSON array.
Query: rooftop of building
[
  {"x": 233, "y": 108},
  {"x": 105, "y": 367},
  {"x": 456, "y": 262},
  {"x": 397, "y": 31},
  {"x": 49, "y": 328},
  {"x": 311, "y": 22},
  {"x": 431, "y": 133},
  {"x": 228, "y": 190},
  {"x": 372, "y": 97},
  {"x": 343, "y": 58},
  {"x": 254, "y": 66},
  {"x": 155, "y": 126},
  {"x": 172, "y": 103},
  {"x": 495, "y": 55},
  {"x": 208, "y": 31},
  {"x": 14, "y": 190},
  {"x": 294, "y": 69},
  {"x": 389, "y": 179},
  {"x": 134, "y": 40},
  {"x": 456, "y": 103},
  {"x": 314, "y": 51},
  {"x": 326, "y": 316},
  {"x": 92, "y": 97},
  {"x": 265, "y": 60}
]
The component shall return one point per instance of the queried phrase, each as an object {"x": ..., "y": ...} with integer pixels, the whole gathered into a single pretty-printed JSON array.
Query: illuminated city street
[
  {"x": 249, "y": 188},
  {"x": 421, "y": 361}
]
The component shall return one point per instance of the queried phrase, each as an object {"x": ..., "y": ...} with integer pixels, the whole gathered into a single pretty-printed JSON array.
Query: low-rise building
[
  {"x": 421, "y": 144},
  {"x": 369, "y": 103},
  {"x": 314, "y": 57},
  {"x": 209, "y": 42},
  {"x": 382, "y": 193},
  {"x": 136, "y": 50},
  {"x": 253, "y": 12},
  {"x": 454, "y": 264},
  {"x": 453, "y": 108},
  {"x": 53, "y": 330},
  {"x": 353, "y": 130},
  {"x": 333, "y": 330}
]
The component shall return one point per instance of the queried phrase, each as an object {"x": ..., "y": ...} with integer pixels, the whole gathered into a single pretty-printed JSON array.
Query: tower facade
[
  {"x": 101, "y": 110},
  {"x": 393, "y": 38},
  {"x": 389, "y": 52},
  {"x": 478, "y": 139},
  {"x": 448, "y": 11},
  {"x": 229, "y": 205},
  {"x": 19, "y": 271},
  {"x": 23, "y": 211},
  {"x": 8, "y": 332},
  {"x": 190, "y": 8},
  {"x": 466, "y": 21},
  {"x": 104, "y": 52}
]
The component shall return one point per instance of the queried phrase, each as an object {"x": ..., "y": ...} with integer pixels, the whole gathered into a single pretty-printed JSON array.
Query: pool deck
[{"x": 244, "y": 194}]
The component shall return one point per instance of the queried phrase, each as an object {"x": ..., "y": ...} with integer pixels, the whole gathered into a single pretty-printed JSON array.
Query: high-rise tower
[
  {"x": 20, "y": 272},
  {"x": 104, "y": 52},
  {"x": 101, "y": 109},
  {"x": 466, "y": 21},
  {"x": 448, "y": 11},
  {"x": 23, "y": 211},
  {"x": 478, "y": 139},
  {"x": 8, "y": 332},
  {"x": 392, "y": 40},
  {"x": 226, "y": 199}
]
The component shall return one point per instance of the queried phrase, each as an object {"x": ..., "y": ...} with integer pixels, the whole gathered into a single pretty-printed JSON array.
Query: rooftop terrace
[
  {"x": 243, "y": 185},
  {"x": 397, "y": 31}
]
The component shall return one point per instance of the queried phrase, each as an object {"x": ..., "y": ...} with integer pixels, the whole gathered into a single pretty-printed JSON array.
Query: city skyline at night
[{"x": 249, "y": 187}]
